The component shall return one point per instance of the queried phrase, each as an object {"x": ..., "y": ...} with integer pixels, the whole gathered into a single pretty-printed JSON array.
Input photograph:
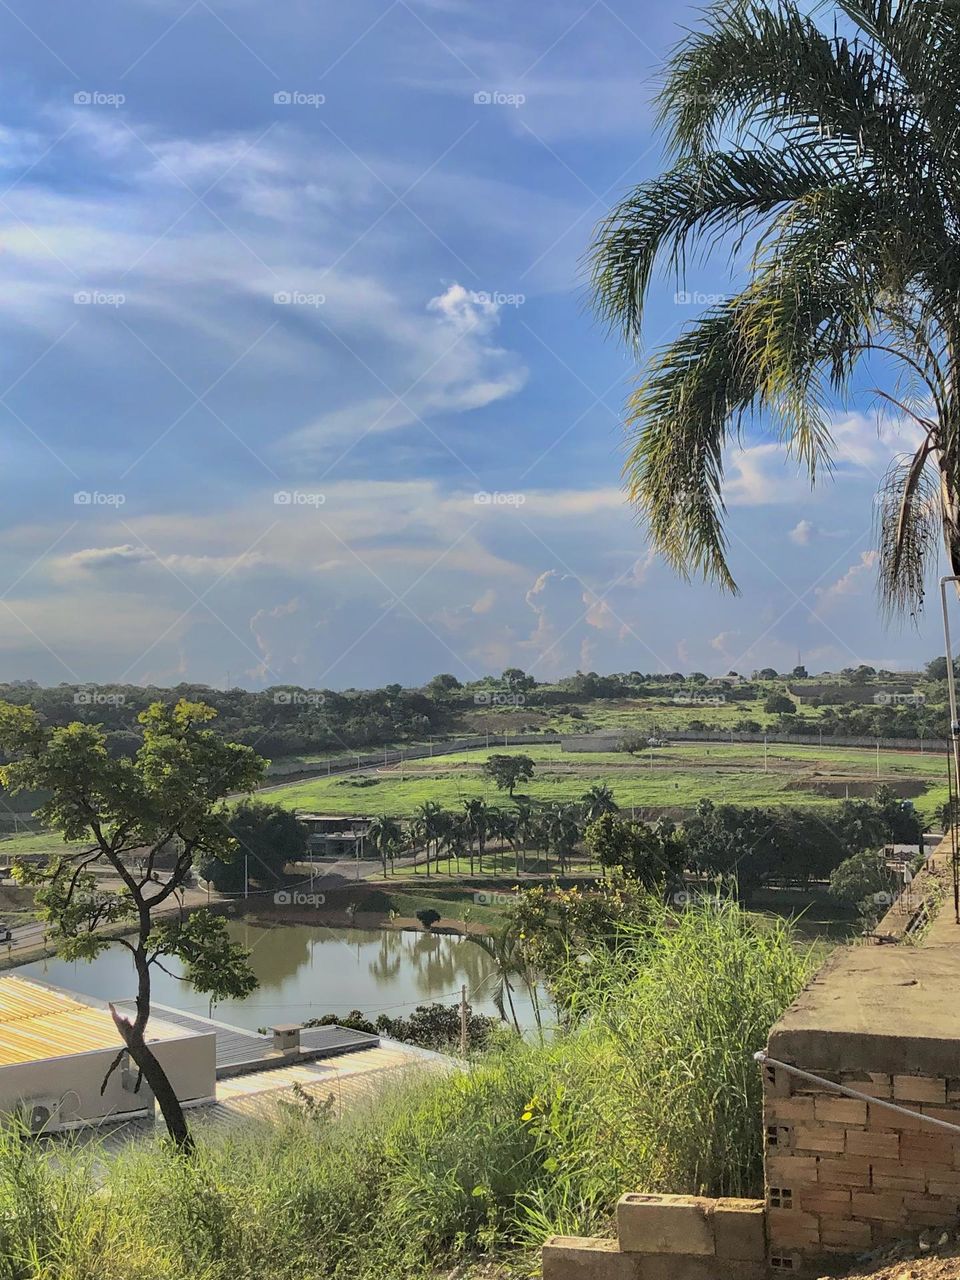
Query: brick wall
[{"x": 842, "y": 1175}]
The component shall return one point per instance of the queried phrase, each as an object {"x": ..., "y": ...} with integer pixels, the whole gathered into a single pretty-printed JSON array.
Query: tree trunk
[{"x": 132, "y": 1034}]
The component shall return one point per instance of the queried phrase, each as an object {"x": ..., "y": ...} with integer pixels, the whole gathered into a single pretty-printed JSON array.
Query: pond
[{"x": 305, "y": 971}]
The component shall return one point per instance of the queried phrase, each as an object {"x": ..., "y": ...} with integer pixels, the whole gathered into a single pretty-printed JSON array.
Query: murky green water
[{"x": 306, "y": 971}]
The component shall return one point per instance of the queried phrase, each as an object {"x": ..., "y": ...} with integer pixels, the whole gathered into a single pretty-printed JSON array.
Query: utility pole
[
  {"x": 765, "y": 770},
  {"x": 246, "y": 874},
  {"x": 878, "y": 757},
  {"x": 463, "y": 1021}
]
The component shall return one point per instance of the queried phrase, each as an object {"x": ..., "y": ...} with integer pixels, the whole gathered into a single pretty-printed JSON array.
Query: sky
[{"x": 299, "y": 380}]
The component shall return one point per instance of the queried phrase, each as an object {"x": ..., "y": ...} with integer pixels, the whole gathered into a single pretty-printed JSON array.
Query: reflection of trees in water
[
  {"x": 277, "y": 952},
  {"x": 389, "y": 960},
  {"x": 443, "y": 963}
]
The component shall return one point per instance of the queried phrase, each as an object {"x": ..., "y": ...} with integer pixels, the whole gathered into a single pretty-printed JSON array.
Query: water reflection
[{"x": 306, "y": 970}]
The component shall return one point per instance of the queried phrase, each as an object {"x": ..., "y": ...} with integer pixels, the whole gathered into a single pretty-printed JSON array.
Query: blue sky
[{"x": 288, "y": 286}]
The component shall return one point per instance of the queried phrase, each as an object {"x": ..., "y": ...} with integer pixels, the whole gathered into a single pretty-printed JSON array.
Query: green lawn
[{"x": 673, "y": 777}]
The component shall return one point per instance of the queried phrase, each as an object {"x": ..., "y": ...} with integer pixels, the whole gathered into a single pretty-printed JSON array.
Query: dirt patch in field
[
  {"x": 15, "y": 899},
  {"x": 858, "y": 788},
  {"x": 909, "y": 1262}
]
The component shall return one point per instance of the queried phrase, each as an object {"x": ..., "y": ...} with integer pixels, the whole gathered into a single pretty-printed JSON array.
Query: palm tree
[
  {"x": 385, "y": 836},
  {"x": 835, "y": 156},
  {"x": 478, "y": 818},
  {"x": 597, "y": 801},
  {"x": 562, "y": 822},
  {"x": 428, "y": 826}
]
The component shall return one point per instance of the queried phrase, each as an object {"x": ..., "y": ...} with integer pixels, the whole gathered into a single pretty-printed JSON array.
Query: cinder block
[
  {"x": 790, "y": 1229},
  {"x": 832, "y": 1200},
  {"x": 950, "y": 1114},
  {"x": 919, "y": 1089},
  {"x": 819, "y": 1137},
  {"x": 885, "y": 1206},
  {"x": 908, "y": 1179},
  {"x": 869, "y": 1142},
  {"x": 842, "y": 1233},
  {"x": 840, "y": 1111},
  {"x": 783, "y": 1170},
  {"x": 927, "y": 1149},
  {"x": 674, "y": 1266},
  {"x": 843, "y": 1171},
  {"x": 585, "y": 1258},
  {"x": 666, "y": 1224},
  {"x": 882, "y": 1118},
  {"x": 788, "y": 1110},
  {"x": 739, "y": 1229}
]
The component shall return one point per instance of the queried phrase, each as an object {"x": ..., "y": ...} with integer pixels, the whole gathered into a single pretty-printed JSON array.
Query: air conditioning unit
[{"x": 41, "y": 1114}]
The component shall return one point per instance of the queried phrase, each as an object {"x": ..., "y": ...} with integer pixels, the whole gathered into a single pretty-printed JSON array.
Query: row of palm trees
[{"x": 479, "y": 829}]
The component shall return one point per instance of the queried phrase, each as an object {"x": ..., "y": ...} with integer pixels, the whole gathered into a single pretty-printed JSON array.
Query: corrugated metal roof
[{"x": 38, "y": 1022}]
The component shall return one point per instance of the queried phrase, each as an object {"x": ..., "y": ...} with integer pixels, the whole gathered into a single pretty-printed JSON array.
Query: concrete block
[
  {"x": 843, "y": 1171},
  {"x": 585, "y": 1258},
  {"x": 739, "y": 1229},
  {"x": 673, "y": 1266},
  {"x": 788, "y": 1110},
  {"x": 927, "y": 1149},
  {"x": 869, "y": 1142},
  {"x": 819, "y": 1137},
  {"x": 846, "y": 1111},
  {"x": 832, "y": 1200},
  {"x": 666, "y": 1224},
  {"x": 783, "y": 1170},
  {"x": 844, "y": 1234},
  {"x": 789, "y": 1229},
  {"x": 886, "y": 1206},
  {"x": 919, "y": 1089}
]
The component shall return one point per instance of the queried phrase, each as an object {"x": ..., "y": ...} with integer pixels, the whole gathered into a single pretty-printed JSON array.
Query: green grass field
[{"x": 671, "y": 778}]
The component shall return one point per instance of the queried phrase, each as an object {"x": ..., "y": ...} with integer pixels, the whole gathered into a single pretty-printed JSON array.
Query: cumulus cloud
[
  {"x": 801, "y": 533},
  {"x": 849, "y": 583}
]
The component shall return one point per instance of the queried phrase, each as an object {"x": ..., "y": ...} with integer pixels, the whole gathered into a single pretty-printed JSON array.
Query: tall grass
[{"x": 655, "y": 1088}]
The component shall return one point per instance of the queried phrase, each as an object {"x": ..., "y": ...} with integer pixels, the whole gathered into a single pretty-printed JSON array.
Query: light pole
[{"x": 246, "y": 874}]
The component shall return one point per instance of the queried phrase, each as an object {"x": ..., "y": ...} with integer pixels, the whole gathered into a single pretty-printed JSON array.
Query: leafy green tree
[
  {"x": 477, "y": 813},
  {"x": 824, "y": 142},
  {"x": 428, "y": 917},
  {"x": 145, "y": 820},
  {"x": 518, "y": 681},
  {"x": 267, "y": 838},
  {"x": 443, "y": 685},
  {"x": 508, "y": 771},
  {"x": 779, "y": 704},
  {"x": 654, "y": 855},
  {"x": 632, "y": 743},
  {"x": 866, "y": 882}
]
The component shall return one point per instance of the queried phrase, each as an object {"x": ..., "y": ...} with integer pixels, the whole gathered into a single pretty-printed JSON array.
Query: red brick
[
  {"x": 840, "y": 1111},
  {"x": 919, "y": 1089},
  {"x": 871, "y": 1143},
  {"x": 942, "y": 1183}
]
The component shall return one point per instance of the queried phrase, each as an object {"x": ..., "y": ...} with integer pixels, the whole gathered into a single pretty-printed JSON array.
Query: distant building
[
  {"x": 727, "y": 682},
  {"x": 335, "y": 835}
]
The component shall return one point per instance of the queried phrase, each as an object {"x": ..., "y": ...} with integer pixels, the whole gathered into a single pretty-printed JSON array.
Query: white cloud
[{"x": 801, "y": 533}]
